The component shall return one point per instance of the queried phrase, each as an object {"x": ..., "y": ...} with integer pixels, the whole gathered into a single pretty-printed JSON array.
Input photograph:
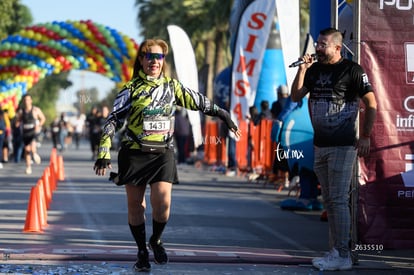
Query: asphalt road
[{"x": 218, "y": 225}]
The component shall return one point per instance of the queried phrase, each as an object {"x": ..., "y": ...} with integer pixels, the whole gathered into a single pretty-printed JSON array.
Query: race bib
[
  {"x": 28, "y": 126},
  {"x": 156, "y": 125}
]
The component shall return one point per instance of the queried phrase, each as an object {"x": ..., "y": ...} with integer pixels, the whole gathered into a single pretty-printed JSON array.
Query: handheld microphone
[{"x": 300, "y": 62}]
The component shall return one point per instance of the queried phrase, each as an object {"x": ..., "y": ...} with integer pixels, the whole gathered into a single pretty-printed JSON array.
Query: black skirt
[{"x": 139, "y": 168}]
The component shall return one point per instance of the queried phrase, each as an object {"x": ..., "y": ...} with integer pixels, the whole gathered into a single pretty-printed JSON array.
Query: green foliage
[
  {"x": 304, "y": 20},
  {"x": 14, "y": 17},
  {"x": 46, "y": 92},
  {"x": 110, "y": 98},
  {"x": 85, "y": 99},
  {"x": 203, "y": 20}
]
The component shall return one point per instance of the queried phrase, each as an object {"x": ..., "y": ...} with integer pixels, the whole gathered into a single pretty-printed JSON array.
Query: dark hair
[
  {"x": 143, "y": 48},
  {"x": 336, "y": 35},
  {"x": 264, "y": 104}
]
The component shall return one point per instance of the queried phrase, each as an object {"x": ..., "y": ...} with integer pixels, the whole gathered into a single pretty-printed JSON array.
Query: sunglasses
[{"x": 152, "y": 56}]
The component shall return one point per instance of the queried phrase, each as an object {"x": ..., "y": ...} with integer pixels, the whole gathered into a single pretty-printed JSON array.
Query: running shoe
[
  {"x": 160, "y": 256},
  {"x": 28, "y": 170},
  {"x": 37, "y": 158},
  {"x": 332, "y": 261},
  {"x": 142, "y": 263}
]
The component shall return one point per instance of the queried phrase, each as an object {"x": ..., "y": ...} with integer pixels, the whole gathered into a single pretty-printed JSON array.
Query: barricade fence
[{"x": 255, "y": 151}]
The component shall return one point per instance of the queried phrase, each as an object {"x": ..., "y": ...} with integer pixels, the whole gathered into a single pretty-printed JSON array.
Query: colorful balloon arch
[{"x": 51, "y": 48}]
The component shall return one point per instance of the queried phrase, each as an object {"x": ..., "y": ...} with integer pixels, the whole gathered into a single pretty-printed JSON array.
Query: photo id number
[{"x": 368, "y": 247}]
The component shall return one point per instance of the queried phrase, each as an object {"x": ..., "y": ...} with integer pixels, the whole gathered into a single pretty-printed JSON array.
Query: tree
[
  {"x": 110, "y": 97},
  {"x": 14, "y": 17},
  {"x": 46, "y": 92},
  {"x": 86, "y": 98},
  {"x": 205, "y": 22},
  {"x": 304, "y": 20}
]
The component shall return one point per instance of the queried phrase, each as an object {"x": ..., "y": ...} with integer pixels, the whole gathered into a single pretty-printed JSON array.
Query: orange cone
[
  {"x": 52, "y": 178},
  {"x": 46, "y": 186},
  {"x": 61, "y": 169},
  {"x": 33, "y": 223},
  {"x": 54, "y": 161},
  {"x": 42, "y": 203}
]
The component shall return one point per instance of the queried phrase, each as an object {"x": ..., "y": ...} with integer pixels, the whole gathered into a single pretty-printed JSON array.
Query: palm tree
[{"x": 205, "y": 22}]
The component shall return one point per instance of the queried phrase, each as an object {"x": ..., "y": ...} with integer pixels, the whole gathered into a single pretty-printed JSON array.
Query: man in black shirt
[{"x": 335, "y": 86}]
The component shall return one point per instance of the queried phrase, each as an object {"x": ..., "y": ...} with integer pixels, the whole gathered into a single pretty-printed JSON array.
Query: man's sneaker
[
  {"x": 37, "y": 158},
  {"x": 142, "y": 263},
  {"x": 332, "y": 261},
  {"x": 160, "y": 256},
  {"x": 327, "y": 254}
]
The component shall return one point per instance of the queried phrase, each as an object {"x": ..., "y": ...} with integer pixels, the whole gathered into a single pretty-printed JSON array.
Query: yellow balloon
[
  {"x": 37, "y": 36},
  {"x": 29, "y": 34},
  {"x": 89, "y": 60}
]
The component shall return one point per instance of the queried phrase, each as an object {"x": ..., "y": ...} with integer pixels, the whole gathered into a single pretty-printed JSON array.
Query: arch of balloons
[{"x": 51, "y": 48}]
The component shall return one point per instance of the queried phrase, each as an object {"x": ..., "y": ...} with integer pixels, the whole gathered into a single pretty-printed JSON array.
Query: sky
[{"x": 118, "y": 14}]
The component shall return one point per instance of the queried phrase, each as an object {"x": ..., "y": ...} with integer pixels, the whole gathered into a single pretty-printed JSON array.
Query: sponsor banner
[
  {"x": 186, "y": 68},
  {"x": 250, "y": 44},
  {"x": 288, "y": 15},
  {"x": 386, "y": 196}
]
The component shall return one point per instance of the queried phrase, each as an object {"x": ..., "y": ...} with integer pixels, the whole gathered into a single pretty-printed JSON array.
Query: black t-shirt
[{"x": 335, "y": 91}]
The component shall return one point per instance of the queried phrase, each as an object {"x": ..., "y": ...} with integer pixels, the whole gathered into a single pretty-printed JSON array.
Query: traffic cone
[
  {"x": 33, "y": 223},
  {"x": 54, "y": 161},
  {"x": 61, "y": 169},
  {"x": 42, "y": 203},
  {"x": 47, "y": 188},
  {"x": 52, "y": 178}
]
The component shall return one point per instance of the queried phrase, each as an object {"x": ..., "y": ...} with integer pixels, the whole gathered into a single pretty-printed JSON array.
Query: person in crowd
[
  {"x": 102, "y": 117},
  {"x": 182, "y": 132},
  {"x": 253, "y": 115},
  {"x": 7, "y": 137},
  {"x": 252, "y": 120},
  {"x": 336, "y": 86},
  {"x": 264, "y": 110},
  {"x": 94, "y": 130},
  {"x": 78, "y": 125},
  {"x": 147, "y": 103},
  {"x": 2, "y": 134},
  {"x": 31, "y": 119},
  {"x": 17, "y": 140},
  {"x": 280, "y": 102},
  {"x": 281, "y": 109},
  {"x": 54, "y": 131},
  {"x": 63, "y": 132}
]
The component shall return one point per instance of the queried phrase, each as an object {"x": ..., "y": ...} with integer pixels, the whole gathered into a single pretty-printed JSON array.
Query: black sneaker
[
  {"x": 142, "y": 263},
  {"x": 160, "y": 256}
]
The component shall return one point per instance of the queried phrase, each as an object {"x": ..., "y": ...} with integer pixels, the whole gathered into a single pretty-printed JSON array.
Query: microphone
[{"x": 300, "y": 62}]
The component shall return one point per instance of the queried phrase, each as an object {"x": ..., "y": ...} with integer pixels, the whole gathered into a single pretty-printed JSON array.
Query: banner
[
  {"x": 186, "y": 68},
  {"x": 386, "y": 193},
  {"x": 289, "y": 21},
  {"x": 249, "y": 47}
]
